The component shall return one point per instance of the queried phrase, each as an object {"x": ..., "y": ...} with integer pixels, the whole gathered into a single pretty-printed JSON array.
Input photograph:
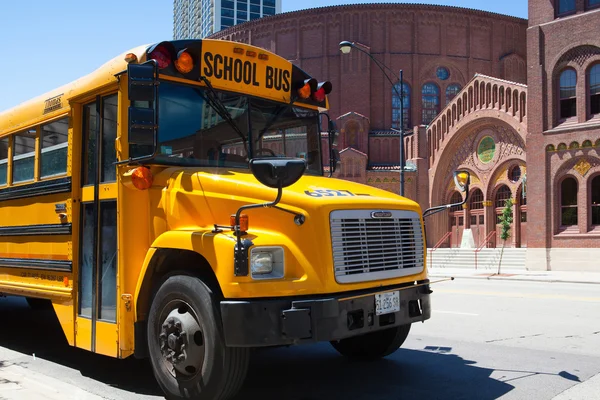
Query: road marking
[
  {"x": 455, "y": 312},
  {"x": 522, "y": 295}
]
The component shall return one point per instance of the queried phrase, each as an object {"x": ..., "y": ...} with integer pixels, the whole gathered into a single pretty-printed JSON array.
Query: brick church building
[{"x": 514, "y": 101}]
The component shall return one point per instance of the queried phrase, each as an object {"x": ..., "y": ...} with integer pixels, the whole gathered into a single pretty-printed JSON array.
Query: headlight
[
  {"x": 266, "y": 262},
  {"x": 261, "y": 262}
]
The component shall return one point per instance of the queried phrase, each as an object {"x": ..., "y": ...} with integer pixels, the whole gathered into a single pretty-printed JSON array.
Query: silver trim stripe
[{"x": 367, "y": 248}]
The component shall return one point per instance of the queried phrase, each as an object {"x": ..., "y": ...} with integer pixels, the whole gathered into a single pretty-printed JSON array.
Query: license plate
[{"x": 386, "y": 303}]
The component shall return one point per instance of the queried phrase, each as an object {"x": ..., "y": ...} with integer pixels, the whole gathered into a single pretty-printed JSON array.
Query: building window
[
  {"x": 430, "y": 102},
  {"x": 568, "y": 101},
  {"x": 442, "y": 73},
  {"x": 502, "y": 195},
  {"x": 396, "y": 106},
  {"x": 515, "y": 174},
  {"x": 565, "y": 6},
  {"x": 456, "y": 198},
  {"x": 592, "y": 4},
  {"x": 452, "y": 91},
  {"x": 268, "y": 10},
  {"x": 596, "y": 200},
  {"x": 568, "y": 202},
  {"x": 476, "y": 200},
  {"x": 594, "y": 79}
]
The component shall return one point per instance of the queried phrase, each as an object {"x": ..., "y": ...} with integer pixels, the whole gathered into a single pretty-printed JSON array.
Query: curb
[{"x": 518, "y": 279}]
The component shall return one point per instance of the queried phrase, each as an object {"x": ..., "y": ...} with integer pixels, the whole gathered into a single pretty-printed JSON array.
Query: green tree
[{"x": 506, "y": 218}]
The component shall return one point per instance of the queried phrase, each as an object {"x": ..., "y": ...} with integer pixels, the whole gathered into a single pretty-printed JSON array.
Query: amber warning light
[{"x": 244, "y": 222}]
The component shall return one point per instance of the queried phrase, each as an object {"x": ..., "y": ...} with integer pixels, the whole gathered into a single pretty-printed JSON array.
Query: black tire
[
  {"x": 216, "y": 372},
  {"x": 39, "y": 304},
  {"x": 374, "y": 345}
]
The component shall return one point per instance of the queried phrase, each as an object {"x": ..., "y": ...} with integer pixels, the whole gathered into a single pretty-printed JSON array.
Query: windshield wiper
[{"x": 221, "y": 109}]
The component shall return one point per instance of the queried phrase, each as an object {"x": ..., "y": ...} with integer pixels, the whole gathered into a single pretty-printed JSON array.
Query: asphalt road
[{"x": 486, "y": 340}]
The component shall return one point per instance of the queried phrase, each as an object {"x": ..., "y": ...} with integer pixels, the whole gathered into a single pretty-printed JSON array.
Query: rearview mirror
[
  {"x": 143, "y": 110},
  {"x": 277, "y": 172}
]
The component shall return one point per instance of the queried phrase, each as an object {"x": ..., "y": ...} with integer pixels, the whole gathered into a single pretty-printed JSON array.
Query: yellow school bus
[{"x": 173, "y": 204}]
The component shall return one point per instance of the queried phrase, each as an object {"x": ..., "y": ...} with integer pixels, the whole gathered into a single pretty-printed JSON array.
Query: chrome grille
[{"x": 367, "y": 248}]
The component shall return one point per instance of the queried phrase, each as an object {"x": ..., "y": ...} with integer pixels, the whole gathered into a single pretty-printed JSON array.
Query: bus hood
[{"x": 226, "y": 190}]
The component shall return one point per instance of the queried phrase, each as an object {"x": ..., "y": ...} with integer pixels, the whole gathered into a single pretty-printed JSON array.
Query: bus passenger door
[{"x": 97, "y": 293}]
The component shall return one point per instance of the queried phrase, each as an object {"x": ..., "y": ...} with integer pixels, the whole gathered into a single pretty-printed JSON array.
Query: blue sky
[{"x": 47, "y": 44}]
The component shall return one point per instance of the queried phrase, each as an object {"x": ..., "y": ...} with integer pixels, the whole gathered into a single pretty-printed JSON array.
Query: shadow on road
[
  {"x": 30, "y": 331},
  {"x": 313, "y": 372}
]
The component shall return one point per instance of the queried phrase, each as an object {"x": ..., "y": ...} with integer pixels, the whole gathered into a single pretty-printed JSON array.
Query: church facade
[{"x": 466, "y": 104}]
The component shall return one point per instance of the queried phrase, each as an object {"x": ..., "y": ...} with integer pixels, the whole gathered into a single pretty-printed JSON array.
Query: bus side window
[
  {"x": 3, "y": 161},
  {"x": 23, "y": 156},
  {"x": 54, "y": 148}
]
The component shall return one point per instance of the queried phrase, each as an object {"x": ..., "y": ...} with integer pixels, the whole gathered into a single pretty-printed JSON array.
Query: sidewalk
[
  {"x": 516, "y": 275},
  {"x": 19, "y": 383}
]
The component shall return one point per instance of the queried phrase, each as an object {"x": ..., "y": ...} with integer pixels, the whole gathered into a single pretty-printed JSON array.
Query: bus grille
[{"x": 373, "y": 244}]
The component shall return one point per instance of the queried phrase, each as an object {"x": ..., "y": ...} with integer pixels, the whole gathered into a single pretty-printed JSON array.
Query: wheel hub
[{"x": 181, "y": 341}]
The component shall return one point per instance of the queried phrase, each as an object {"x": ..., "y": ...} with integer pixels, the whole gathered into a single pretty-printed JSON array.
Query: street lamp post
[{"x": 345, "y": 48}]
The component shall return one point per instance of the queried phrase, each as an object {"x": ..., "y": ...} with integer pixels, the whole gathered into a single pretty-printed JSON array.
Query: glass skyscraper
[{"x": 197, "y": 19}]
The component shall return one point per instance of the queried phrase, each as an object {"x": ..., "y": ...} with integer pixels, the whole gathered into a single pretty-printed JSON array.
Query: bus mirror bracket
[
  {"x": 143, "y": 110},
  {"x": 274, "y": 173},
  {"x": 462, "y": 180},
  {"x": 332, "y": 136}
]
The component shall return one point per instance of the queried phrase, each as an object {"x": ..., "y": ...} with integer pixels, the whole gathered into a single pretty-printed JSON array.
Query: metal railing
[
  {"x": 488, "y": 239},
  {"x": 437, "y": 245}
]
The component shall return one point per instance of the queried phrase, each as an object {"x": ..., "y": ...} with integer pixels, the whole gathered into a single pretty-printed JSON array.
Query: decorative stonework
[
  {"x": 582, "y": 166},
  {"x": 579, "y": 55}
]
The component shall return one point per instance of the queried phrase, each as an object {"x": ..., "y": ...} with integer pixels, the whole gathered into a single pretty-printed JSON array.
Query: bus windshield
[{"x": 192, "y": 133}]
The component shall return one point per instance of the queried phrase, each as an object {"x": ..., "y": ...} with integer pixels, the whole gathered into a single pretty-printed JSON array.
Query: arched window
[
  {"x": 405, "y": 106},
  {"x": 568, "y": 202},
  {"x": 451, "y": 91},
  {"x": 456, "y": 198},
  {"x": 565, "y": 6},
  {"x": 568, "y": 101},
  {"x": 430, "y": 102},
  {"x": 502, "y": 195},
  {"x": 596, "y": 200},
  {"x": 594, "y": 80},
  {"x": 476, "y": 200}
]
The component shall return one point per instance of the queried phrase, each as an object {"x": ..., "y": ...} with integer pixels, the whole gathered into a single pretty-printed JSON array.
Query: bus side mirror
[
  {"x": 143, "y": 109},
  {"x": 462, "y": 179},
  {"x": 336, "y": 160},
  {"x": 277, "y": 172}
]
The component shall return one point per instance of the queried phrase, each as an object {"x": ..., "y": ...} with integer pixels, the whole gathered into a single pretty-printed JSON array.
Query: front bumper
[{"x": 294, "y": 320}]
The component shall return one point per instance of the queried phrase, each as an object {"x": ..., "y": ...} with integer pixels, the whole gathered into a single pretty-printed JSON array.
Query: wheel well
[
  {"x": 165, "y": 263},
  {"x": 168, "y": 262}
]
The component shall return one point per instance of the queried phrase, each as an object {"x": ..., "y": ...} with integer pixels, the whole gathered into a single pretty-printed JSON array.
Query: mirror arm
[{"x": 435, "y": 210}]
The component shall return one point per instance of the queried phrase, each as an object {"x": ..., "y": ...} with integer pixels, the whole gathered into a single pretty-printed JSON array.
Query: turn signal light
[
  {"x": 142, "y": 178},
  {"x": 307, "y": 88},
  {"x": 244, "y": 222},
  {"x": 184, "y": 62}
]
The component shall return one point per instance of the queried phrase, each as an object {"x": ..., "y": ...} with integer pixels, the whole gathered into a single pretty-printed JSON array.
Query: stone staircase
[{"x": 487, "y": 258}]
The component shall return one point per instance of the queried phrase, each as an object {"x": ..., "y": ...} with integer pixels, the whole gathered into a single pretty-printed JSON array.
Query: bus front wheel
[
  {"x": 187, "y": 351},
  {"x": 374, "y": 345}
]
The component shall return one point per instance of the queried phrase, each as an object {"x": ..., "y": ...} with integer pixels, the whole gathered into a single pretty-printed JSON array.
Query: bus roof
[
  {"x": 32, "y": 111},
  {"x": 57, "y": 102}
]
